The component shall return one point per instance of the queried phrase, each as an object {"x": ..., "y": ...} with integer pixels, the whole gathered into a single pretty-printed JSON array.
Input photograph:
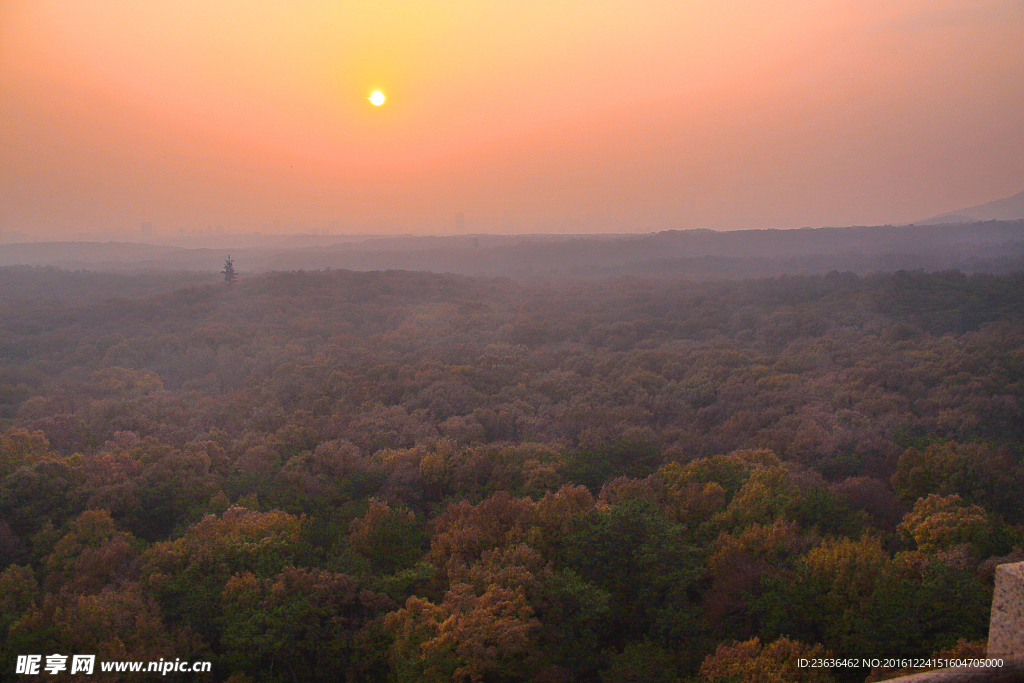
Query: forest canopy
[{"x": 407, "y": 476}]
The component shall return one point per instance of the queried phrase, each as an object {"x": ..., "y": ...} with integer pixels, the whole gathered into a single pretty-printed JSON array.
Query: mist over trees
[
  {"x": 995, "y": 247},
  {"x": 410, "y": 476}
]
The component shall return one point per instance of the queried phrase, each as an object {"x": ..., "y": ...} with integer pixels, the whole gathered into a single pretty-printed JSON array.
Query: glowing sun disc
[{"x": 376, "y": 98}]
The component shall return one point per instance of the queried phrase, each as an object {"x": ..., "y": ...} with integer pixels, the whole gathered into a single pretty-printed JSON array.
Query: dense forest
[{"x": 406, "y": 476}]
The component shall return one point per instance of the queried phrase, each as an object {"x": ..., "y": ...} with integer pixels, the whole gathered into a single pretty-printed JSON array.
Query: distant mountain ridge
[
  {"x": 1007, "y": 209},
  {"x": 987, "y": 246}
]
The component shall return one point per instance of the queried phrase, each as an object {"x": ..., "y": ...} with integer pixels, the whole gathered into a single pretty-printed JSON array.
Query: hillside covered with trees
[{"x": 405, "y": 476}]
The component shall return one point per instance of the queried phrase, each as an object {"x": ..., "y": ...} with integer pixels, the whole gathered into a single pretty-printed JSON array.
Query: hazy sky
[{"x": 533, "y": 115}]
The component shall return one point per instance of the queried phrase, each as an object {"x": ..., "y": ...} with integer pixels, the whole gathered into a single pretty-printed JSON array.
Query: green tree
[
  {"x": 187, "y": 575},
  {"x": 392, "y": 539},
  {"x": 302, "y": 624},
  {"x": 644, "y": 562}
]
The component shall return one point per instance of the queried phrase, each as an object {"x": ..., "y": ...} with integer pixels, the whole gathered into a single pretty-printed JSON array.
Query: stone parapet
[{"x": 1006, "y": 625}]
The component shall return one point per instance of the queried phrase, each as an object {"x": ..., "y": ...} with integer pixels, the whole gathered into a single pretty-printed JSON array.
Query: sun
[{"x": 376, "y": 98}]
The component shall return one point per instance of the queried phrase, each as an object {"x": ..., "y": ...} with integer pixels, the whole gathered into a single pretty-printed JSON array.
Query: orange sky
[{"x": 529, "y": 116}]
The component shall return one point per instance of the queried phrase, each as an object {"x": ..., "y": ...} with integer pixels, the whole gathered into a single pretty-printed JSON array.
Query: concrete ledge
[{"x": 1006, "y": 625}]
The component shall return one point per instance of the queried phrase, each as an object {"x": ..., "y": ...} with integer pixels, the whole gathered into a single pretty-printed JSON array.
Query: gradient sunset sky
[{"x": 526, "y": 116}]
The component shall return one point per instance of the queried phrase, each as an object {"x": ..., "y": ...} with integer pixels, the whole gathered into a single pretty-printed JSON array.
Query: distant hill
[
  {"x": 1008, "y": 209},
  {"x": 987, "y": 246}
]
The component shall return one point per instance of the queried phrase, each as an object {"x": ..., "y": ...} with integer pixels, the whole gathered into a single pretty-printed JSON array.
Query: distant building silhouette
[{"x": 230, "y": 275}]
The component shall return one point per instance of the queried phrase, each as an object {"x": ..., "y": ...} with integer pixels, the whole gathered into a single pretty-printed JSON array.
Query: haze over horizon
[{"x": 534, "y": 117}]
